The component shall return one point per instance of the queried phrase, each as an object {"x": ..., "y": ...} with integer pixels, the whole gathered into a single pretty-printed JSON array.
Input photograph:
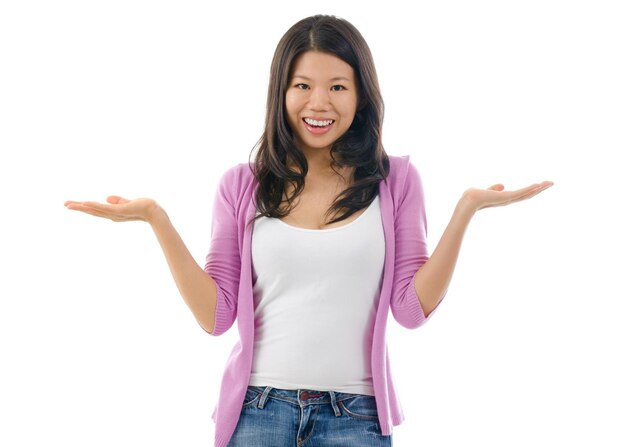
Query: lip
[
  {"x": 318, "y": 130},
  {"x": 317, "y": 118}
]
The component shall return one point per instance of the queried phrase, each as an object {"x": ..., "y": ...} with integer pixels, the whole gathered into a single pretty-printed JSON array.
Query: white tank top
[{"x": 315, "y": 298}]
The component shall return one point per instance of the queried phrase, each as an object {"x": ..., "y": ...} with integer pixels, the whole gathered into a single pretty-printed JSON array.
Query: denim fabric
[{"x": 272, "y": 417}]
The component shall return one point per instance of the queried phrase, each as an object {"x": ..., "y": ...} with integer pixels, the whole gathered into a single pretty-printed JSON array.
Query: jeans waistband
[{"x": 302, "y": 396}]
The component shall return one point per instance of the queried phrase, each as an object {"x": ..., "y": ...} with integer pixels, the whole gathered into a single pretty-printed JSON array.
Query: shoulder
[
  {"x": 238, "y": 177},
  {"x": 398, "y": 165},
  {"x": 236, "y": 182},
  {"x": 240, "y": 172},
  {"x": 402, "y": 172}
]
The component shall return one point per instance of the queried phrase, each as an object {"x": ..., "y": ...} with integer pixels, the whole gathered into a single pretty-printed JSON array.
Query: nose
[{"x": 319, "y": 99}]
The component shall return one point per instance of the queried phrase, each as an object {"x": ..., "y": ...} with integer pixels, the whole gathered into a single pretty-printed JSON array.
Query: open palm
[
  {"x": 117, "y": 208},
  {"x": 497, "y": 196}
]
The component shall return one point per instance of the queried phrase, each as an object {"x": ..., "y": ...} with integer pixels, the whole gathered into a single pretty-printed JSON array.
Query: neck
[{"x": 319, "y": 163}]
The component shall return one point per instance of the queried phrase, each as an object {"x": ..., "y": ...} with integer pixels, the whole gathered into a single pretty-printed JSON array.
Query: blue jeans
[{"x": 272, "y": 417}]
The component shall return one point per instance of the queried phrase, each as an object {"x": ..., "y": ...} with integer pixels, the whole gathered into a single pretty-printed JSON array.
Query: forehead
[{"x": 318, "y": 65}]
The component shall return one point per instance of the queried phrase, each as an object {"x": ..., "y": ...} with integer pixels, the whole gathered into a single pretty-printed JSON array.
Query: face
[{"x": 321, "y": 100}]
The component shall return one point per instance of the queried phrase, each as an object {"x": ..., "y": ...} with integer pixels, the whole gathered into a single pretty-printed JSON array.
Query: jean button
[{"x": 304, "y": 395}]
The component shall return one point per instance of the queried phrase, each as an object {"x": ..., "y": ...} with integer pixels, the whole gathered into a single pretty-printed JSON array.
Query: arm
[
  {"x": 432, "y": 279},
  {"x": 211, "y": 293},
  {"x": 196, "y": 287},
  {"x": 223, "y": 262}
]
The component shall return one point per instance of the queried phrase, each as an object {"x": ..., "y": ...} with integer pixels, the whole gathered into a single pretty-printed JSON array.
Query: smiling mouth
[{"x": 316, "y": 123}]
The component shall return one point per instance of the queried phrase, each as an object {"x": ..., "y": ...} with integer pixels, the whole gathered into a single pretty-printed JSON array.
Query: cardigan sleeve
[
  {"x": 411, "y": 250},
  {"x": 223, "y": 261}
]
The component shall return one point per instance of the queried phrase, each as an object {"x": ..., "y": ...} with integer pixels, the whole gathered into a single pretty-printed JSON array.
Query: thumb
[
  {"x": 497, "y": 187},
  {"x": 116, "y": 200}
]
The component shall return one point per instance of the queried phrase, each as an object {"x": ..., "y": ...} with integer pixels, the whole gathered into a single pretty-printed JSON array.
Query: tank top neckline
[{"x": 326, "y": 230}]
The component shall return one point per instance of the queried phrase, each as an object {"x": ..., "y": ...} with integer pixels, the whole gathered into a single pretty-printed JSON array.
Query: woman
[{"x": 311, "y": 245}]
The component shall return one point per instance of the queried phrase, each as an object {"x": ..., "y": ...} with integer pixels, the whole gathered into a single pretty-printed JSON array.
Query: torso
[{"x": 316, "y": 198}]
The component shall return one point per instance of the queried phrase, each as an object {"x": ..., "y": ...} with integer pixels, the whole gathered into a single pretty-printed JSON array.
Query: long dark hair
[{"x": 360, "y": 147}]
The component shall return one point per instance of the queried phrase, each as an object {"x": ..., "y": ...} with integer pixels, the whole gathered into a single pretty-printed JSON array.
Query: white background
[{"x": 157, "y": 99}]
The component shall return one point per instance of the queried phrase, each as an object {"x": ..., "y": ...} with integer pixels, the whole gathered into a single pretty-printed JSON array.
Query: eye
[
  {"x": 301, "y": 86},
  {"x": 337, "y": 88}
]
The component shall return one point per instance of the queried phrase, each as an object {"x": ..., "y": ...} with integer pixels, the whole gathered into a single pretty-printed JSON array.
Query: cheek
[
  {"x": 291, "y": 103},
  {"x": 348, "y": 108},
  {"x": 289, "y": 109}
]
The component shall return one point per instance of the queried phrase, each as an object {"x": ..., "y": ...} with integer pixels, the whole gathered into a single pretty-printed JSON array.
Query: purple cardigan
[{"x": 229, "y": 263}]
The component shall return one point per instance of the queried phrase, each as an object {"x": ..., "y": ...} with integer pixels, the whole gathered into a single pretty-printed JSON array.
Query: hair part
[{"x": 360, "y": 147}]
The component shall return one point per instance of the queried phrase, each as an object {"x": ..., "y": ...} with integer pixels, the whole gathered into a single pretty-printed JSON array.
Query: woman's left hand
[{"x": 477, "y": 199}]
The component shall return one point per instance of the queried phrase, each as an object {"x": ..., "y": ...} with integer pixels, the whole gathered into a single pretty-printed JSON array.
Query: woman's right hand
[{"x": 118, "y": 208}]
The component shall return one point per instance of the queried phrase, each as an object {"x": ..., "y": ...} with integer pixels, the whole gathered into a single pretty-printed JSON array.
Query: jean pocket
[
  {"x": 361, "y": 407},
  {"x": 252, "y": 396}
]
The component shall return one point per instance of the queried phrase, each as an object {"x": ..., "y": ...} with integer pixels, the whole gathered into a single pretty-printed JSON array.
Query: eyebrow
[{"x": 336, "y": 78}]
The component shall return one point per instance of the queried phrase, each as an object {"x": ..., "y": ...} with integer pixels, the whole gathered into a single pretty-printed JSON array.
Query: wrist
[
  {"x": 466, "y": 206},
  {"x": 156, "y": 214}
]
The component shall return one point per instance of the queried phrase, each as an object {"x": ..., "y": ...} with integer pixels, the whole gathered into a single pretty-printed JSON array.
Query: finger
[
  {"x": 117, "y": 200},
  {"x": 541, "y": 188},
  {"x": 88, "y": 210},
  {"x": 507, "y": 197},
  {"x": 101, "y": 207},
  {"x": 100, "y": 213},
  {"x": 497, "y": 187},
  {"x": 73, "y": 205},
  {"x": 538, "y": 187},
  {"x": 532, "y": 191},
  {"x": 523, "y": 191}
]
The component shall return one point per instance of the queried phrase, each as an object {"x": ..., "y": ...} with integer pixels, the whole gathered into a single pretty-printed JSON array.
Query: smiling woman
[{"x": 312, "y": 298}]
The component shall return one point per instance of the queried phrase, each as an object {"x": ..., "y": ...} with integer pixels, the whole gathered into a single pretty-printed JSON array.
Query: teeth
[{"x": 316, "y": 123}]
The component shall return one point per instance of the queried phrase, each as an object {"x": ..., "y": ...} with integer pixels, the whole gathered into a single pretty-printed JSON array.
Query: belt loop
[
  {"x": 264, "y": 397},
  {"x": 333, "y": 402}
]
